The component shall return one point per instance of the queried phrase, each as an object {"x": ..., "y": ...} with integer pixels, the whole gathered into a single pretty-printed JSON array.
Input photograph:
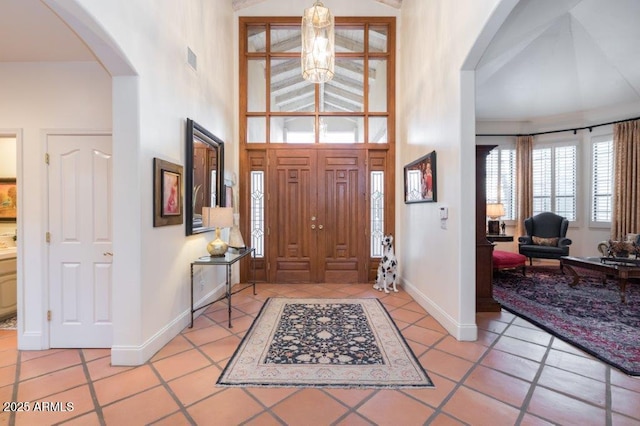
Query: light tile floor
[{"x": 515, "y": 374}]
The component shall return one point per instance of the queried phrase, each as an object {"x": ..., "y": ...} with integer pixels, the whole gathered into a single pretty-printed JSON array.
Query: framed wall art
[
  {"x": 420, "y": 184},
  {"x": 167, "y": 193},
  {"x": 8, "y": 200}
]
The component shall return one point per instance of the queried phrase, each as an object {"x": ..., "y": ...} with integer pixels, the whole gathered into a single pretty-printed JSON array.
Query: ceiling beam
[
  {"x": 293, "y": 95},
  {"x": 343, "y": 94},
  {"x": 333, "y": 104},
  {"x": 284, "y": 65},
  {"x": 241, "y": 4},
  {"x": 301, "y": 104}
]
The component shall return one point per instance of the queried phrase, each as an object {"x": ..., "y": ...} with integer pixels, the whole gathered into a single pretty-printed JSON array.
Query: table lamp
[
  {"x": 494, "y": 211},
  {"x": 217, "y": 217}
]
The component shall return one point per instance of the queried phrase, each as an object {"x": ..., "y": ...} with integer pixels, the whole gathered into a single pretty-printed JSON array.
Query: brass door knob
[
  {"x": 320, "y": 226},
  {"x": 314, "y": 227}
]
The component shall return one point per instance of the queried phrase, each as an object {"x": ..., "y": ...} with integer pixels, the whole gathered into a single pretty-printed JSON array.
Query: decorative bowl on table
[{"x": 623, "y": 249}]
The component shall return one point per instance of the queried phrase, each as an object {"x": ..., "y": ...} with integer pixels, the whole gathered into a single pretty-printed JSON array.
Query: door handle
[
  {"x": 107, "y": 253},
  {"x": 320, "y": 226},
  {"x": 314, "y": 226}
]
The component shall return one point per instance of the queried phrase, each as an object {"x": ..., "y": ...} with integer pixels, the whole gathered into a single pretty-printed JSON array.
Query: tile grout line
[
  {"x": 92, "y": 392},
  {"x": 534, "y": 382},
  {"x": 459, "y": 383},
  {"x": 182, "y": 408},
  {"x": 608, "y": 398},
  {"x": 16, "y": 383}
]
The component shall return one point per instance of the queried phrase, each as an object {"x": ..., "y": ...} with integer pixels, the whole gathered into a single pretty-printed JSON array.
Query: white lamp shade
[
  {"x": 217, "y": 217},
  {"x": 495, "y": 210},
  {"x": 318, "y": 46}
]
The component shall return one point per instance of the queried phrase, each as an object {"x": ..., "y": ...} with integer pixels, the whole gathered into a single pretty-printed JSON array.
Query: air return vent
[{"x": 192, "y": 59}]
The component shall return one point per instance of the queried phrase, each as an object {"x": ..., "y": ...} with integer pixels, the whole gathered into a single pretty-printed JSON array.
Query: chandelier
[{"x": 318, "y": 49}]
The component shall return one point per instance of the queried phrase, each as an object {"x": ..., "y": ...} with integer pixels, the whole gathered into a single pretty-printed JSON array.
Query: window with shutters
[
  {"x": 554, "y": 180},
  {"x": 601, "y": 180},
  {"x": 501, "y": 180}
]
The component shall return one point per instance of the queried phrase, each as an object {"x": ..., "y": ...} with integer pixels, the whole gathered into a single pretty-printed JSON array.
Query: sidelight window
[
  {"x": 257, "y": 212},
  {"x": 377, "y": 212}
]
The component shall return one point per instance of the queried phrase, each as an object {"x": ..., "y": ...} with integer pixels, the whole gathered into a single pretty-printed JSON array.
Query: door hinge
[
  {"x": 46, "y": 158},
  {"x": 47, "y": 237},
  {"x": 48, "y": 315}
]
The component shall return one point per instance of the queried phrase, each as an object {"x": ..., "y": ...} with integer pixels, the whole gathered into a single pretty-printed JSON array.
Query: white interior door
[{"x": 80, "y": 228}]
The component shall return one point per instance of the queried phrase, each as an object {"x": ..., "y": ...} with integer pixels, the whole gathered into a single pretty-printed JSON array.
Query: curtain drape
[
  {"x": 524, "y": 181},
  {"x": 626, "y": 196}
]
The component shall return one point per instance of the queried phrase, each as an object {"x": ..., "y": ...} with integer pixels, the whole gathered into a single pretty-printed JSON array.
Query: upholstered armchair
[{"x": 546, "y": 237}]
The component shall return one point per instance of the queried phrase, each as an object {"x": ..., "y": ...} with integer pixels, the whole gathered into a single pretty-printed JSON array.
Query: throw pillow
[{"x": 553, "y": 242}]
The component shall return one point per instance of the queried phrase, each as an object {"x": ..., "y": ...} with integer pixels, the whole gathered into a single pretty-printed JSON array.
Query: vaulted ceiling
[
  {"x": 557, "y": 57},
  {"x": 550, "y": 58}
]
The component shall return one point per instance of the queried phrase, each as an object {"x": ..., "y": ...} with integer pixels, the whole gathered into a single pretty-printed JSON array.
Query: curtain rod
[{"x": 574, "y": 130}]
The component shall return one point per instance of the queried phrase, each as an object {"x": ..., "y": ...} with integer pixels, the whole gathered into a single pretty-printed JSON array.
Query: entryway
[{"x": 317, "y": 214}]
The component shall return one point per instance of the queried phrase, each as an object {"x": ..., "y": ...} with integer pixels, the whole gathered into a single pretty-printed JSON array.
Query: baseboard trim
[
  {"x": 138, "y": 355},
  {"x": 31, "y": 341},
  {"x": 462, "y": 332}
]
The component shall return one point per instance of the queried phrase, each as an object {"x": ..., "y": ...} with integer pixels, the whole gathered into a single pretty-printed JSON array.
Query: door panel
[
  {"x": 341, "y": 198},
  {"x": 80, "y": 247},
  {"x": 292, "y": 203}
]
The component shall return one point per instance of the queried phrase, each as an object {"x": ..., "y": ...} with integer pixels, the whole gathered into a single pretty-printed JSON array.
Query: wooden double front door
[{"x": 316, "y": 214}]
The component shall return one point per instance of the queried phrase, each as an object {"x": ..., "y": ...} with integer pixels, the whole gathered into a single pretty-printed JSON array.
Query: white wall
[
  {"x": 153, "y": 303},
  {"x": 435, "y": 105}
]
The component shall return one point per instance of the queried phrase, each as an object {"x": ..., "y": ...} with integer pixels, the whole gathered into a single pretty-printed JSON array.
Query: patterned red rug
[{"x": 589, "y": 316}]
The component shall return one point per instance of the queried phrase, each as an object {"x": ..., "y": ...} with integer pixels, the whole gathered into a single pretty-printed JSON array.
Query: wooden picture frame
[
  {"x": 420, "y": 180},
  {"x": 168, "y": 206},
  {"x": 8, "y": 200}
]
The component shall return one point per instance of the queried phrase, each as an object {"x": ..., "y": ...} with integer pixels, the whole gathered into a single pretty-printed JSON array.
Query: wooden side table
[{"x": 227, "y": 260}]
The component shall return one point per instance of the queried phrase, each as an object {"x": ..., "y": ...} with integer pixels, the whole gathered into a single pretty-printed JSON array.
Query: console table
[
  {"x": 227, "y": 260},
  {"x": 499, "y": 238}
]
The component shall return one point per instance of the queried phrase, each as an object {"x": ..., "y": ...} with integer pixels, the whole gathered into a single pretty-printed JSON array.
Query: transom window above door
[{"x": 280, "y": 107}]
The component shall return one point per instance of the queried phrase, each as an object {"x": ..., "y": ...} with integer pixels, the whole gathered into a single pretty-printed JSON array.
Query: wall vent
[{"x": 192, "y": 59}]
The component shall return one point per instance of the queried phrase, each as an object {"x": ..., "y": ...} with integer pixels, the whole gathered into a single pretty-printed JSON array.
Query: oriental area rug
[
  {"x": 589, "y": 316},
  {"x": 338, "y": 343}
]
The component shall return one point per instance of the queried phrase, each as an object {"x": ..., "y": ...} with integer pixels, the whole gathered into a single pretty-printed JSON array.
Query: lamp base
[
  {"x": 217, "y": 247},
  {"x": 493, "y": 227}
]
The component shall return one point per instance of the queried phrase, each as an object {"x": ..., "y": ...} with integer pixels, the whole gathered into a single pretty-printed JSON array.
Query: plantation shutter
[
  {"x": 491, "y": 176},
  {"x": 602, "y": 181},
  {"x": 508, "y": 182},
  {"x": 565, "y": 181},
  {"x": 541, "y": 165}
]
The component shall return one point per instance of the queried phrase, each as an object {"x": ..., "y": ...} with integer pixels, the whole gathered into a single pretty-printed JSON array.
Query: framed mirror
[{"x": 204, "y": 175}]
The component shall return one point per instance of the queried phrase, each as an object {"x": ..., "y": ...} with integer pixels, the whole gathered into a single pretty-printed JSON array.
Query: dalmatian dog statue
[{"x": 387, "y": 270}]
